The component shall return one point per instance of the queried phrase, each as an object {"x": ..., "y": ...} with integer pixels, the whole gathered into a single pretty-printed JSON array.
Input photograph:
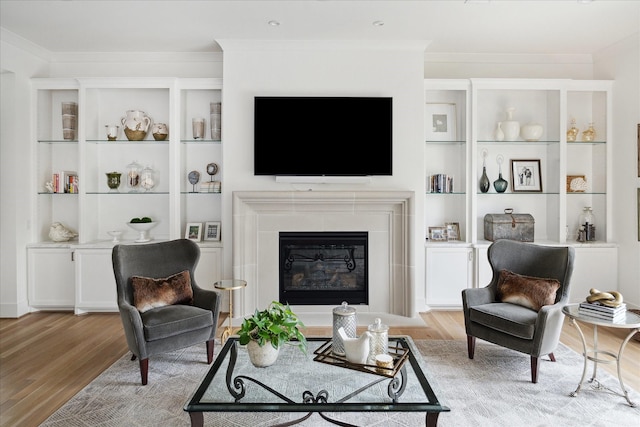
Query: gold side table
[
  {"x": 229, "y": 285},
  {"x": 596, "y": 355}
]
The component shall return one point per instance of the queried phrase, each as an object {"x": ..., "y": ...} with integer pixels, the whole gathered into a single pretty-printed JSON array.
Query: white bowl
[
  {"x": 115, "y": 234},
  {"x": 142, "y": 228}
]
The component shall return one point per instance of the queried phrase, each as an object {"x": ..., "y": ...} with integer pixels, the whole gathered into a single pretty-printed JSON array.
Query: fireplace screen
[{"x": 323, "y": 268}]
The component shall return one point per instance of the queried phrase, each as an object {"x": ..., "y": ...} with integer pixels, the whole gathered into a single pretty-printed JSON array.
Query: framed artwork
[
  {"x": 440, "y": 122},
  {"x": 438, "y": 234},
  {"x": 453, "y": 230},
  {"x": 526, "y": 176},
  {"x": 193, "y": 231},
  {"x": 212, "y": 230}
]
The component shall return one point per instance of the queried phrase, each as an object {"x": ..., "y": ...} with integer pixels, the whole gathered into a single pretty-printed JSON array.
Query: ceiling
[{"x": 450, "y": 26}]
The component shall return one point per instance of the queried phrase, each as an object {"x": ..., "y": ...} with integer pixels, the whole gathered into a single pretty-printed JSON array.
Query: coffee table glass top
[{"x": 297, "y": 383}]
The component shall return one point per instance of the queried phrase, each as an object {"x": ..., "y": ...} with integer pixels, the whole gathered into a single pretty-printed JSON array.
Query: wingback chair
[
  {"x": 168, "y": 323},
  {"x": 510, "y": 324}
]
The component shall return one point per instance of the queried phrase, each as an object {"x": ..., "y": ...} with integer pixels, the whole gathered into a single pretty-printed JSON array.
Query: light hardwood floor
[{"x": 47, "y": 357}]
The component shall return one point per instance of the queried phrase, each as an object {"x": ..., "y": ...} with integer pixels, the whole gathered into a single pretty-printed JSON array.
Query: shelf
[
  {"x": 57, "y": 141},
  {"x": 520, "y": 193},
  {"x": 200, "y": 141},
  {"x": 200, "y": 192},
  {"x": 127, "y": 142},
  {"x": 586, "y": 142},
  {"x": 129, "y": 193},
  {"x": 433, "y": 193},
  {"x": 486, "y": 142},
  {"x": 446, "y": 142}
]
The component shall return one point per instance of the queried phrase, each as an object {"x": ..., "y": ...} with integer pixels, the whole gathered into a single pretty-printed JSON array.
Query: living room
[{"x": 376, "y": 65}]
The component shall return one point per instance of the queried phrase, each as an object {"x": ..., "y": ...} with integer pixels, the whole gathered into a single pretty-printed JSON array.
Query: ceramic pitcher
[{"x": 136, "y": 124}]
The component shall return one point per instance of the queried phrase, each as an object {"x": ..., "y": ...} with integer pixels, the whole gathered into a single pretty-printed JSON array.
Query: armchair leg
[
  {"x": 209, "y": 352},
  {"x": 471, "y": 346},
  {"x": 552, "y": 357},
  {"x": 144, "y": 370},
  {"x": 535, "y": 368}
]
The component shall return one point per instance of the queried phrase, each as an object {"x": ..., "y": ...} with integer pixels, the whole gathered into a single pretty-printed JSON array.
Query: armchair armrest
[
  {"x": 477, "y": 296},
  {"x": 207, "y": 299},
  {"x": 548, "y": 328}
]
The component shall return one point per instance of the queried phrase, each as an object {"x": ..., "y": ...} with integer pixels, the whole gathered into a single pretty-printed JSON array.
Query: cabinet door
[
  {"x": 209, "y": 269},
  {"x": 51, "y": 279},
  {"x": 95, "y": 281},
  {"x": 448, "y": 271}
]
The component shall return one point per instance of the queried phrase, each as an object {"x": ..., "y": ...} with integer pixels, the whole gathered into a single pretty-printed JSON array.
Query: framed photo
[
  {"x": 212, "y": 230},
  {"x": 440, "y": 122},
  {"x": 438, "y": 234},
  {"x": 453, "y": 230},
  {"x": 526, "y": 176},
  {"x": 193, "y": 231}
]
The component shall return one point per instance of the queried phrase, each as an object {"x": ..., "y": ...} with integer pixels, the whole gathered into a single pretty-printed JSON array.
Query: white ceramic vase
[
  {"x": 262, "y": 356},
  {"x": 510, "y": 127}
]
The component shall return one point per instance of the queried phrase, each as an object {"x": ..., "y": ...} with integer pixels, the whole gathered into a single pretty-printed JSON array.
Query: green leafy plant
[{"x": 277, "y": 324}]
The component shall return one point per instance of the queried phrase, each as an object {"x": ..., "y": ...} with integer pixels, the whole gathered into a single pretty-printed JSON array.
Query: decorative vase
[
  {"x": 484, "y": 180},
  {"x": 113, "y": 181},
  {"x": 531, "y": 131},
  {"x": 572, "y": 133},
  {"x": 133, "y": 176},
  {"x": 589, "y": 134},
  {"x": 500, "y": 184},
  {"x": 215, "y": 120},
  {"x": 136, "y": 125},
  {"x": 159, "y": 131},
  {"x": 147, "y": 179},
  {"x": 499, "y": 132},
  {"x": 262, "y": 356},
  {"x": 510, "y": 127}
]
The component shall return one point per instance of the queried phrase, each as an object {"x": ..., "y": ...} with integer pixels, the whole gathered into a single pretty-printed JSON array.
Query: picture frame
[
  {"x": 526, "y": 175},
  {"x": 438, "y": 234},
  {"x": 440, "y": 122},
  {"x": 193, "y": 231},
  {"x": 212, "y": 231},
  {"x": 453, "y": 231}
]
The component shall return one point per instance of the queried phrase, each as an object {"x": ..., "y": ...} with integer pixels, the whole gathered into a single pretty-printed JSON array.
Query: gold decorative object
[
  {"x": 609, "y": 299},
  {"x": 572, "y": 133},
  {"x": 589, "y": 135}
]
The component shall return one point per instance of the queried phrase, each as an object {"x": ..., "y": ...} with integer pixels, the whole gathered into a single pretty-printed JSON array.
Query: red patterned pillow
[
  {"x": 531, "y": 292},
  {"x": 149, "y": 293}
]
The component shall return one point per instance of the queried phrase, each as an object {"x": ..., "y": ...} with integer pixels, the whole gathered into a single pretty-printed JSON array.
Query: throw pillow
[
  {"x": 149, "y": 293},
  {"x": 531, "y": 292}
]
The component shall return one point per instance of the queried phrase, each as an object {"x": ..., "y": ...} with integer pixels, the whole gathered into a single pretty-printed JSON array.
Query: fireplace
[{"x": 323, "y": 268}]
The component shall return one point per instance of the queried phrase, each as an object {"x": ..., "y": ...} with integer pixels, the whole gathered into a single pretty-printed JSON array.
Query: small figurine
[{"x": 59, "y": 233}]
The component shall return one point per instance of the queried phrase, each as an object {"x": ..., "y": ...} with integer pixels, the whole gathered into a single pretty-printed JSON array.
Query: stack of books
[{"x": 601, "y": 311}]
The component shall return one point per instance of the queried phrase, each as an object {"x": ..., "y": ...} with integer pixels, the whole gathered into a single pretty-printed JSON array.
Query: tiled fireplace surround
[{"x": 259, "y": 216}]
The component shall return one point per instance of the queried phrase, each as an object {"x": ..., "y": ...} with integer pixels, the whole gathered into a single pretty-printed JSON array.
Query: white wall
[
  {"x": 17, "y": 67},
  {"x": 622, "y": 63},
  {"x": 331, "y": 68}
]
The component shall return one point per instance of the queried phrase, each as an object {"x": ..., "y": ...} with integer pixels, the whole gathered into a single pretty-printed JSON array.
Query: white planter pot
[{"x": 264, "y": 356}]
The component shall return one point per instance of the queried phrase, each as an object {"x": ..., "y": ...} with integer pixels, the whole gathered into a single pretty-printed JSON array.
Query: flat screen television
[{"x": 323, "y": 136}]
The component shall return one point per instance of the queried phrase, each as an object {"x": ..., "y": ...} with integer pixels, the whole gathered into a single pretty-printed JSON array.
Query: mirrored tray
[{"x": 324, "y": 354}]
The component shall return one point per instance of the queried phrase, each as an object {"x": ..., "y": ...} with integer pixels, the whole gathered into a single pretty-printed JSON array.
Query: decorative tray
[{"x": 324, "y": 354}]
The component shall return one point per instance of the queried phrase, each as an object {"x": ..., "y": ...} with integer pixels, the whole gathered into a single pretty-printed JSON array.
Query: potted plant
[{"x": 265, "y": 331}]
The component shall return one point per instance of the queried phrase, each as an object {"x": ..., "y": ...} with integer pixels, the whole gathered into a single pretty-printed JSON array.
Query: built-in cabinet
[
  {"x": 95, "y": 209},
  {"x": 467, "y": 139}
]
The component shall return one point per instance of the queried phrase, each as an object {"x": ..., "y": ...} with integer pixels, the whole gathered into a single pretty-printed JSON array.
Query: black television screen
[{"x": 323, "y": 136}]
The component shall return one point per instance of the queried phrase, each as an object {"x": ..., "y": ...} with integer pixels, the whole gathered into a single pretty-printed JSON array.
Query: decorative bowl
[
  {"x": 531, "y": 132},
  {"x": 142, "y": 228},
  {"x": 115, "y": 234}
]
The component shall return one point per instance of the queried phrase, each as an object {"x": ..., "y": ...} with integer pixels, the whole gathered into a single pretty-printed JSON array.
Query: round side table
[
  {"x": 631, "y": 321},
  {"x": 229, "y": 285}
]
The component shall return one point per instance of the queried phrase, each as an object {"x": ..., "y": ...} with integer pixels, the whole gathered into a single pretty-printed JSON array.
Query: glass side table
[
  {"x": 631, "y": 321},
  {"x": 229, "y": 285}
]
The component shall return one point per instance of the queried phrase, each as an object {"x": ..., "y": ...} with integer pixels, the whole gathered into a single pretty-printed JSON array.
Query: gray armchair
[
  {"x": 170, "y": 327},
  {"x": 514, "y": 326}
]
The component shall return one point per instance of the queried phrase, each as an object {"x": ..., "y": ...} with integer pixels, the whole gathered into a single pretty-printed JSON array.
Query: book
[
  {"x": 615, "y": 318},
  {"x": 602, "y": 308}
]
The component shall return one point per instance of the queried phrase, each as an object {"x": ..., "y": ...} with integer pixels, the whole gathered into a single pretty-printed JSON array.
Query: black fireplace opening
[{"x": 324, "y": 268}]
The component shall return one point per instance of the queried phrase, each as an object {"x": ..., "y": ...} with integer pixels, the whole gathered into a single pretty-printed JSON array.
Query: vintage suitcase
[{"x": 509, "y": 226}]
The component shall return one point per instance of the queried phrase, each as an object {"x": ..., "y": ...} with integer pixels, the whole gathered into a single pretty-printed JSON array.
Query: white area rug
[{"x": 494, "y": 389}]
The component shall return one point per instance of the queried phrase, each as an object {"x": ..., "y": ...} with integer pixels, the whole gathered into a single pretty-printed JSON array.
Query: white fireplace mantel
[{"x": 259, "y": 216}]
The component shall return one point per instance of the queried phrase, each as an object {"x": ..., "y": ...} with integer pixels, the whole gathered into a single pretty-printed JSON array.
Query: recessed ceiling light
[
  {"x": 378, "y": 23},
  {"x": 274, "y": 23}
]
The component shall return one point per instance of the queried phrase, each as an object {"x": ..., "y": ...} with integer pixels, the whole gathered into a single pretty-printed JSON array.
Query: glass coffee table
[{"x": 298, "y": 383}]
